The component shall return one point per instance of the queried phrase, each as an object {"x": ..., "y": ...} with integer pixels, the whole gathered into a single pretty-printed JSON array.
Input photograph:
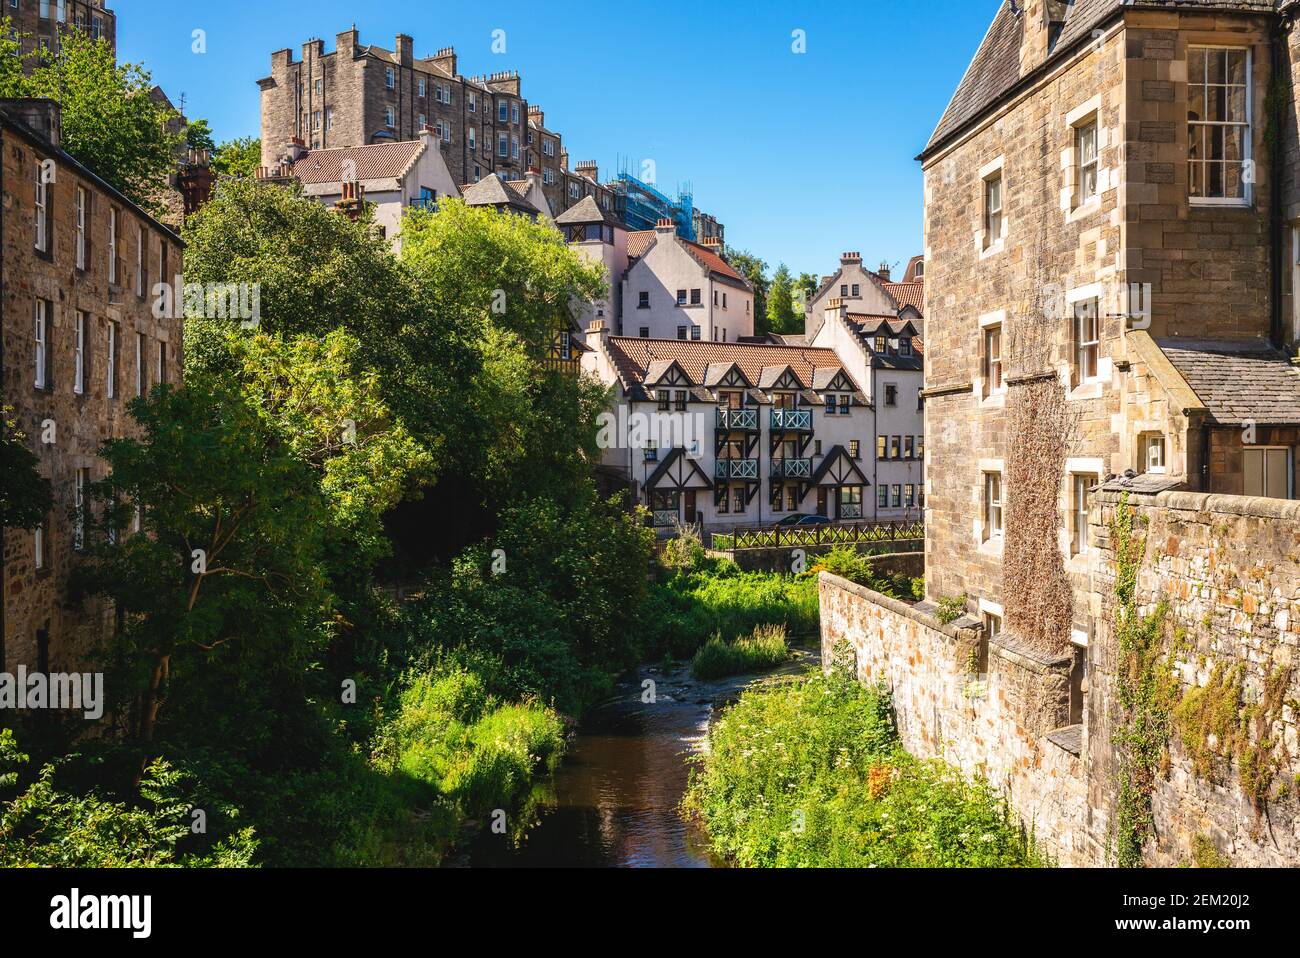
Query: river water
[{"x": 616, "y": 798}]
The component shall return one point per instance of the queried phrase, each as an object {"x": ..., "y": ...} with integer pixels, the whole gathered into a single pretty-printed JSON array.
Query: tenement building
[
  {"x": 81, "y": 340},
  {"x": 360, "y": 94},
  {"x": 1112, "y": 220}
]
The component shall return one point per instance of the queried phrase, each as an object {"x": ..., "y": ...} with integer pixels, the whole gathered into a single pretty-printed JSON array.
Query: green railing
[
  {"x": 738, "y": 420},
  {"x": 727, "y": 469},
  {"x": 792, "y": 420},
  {"x": 792, "y": 469},
  {"x": 781, "y": 537}
]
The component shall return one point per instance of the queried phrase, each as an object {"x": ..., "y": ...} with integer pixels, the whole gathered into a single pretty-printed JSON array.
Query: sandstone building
[
  {"x": 1112, "y": 218},
  {"x": 38, "y": 22},
  {"x": 81, "y": 340}
]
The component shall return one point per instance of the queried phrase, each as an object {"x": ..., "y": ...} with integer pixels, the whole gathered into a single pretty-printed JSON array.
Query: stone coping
[
  {"x": 1027, "y": 657},
  {"x": 1213, "y": 503},
  {"x": 893, "y": 605}
]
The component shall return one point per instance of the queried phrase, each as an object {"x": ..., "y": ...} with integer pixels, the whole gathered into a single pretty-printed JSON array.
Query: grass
[
  {"x": 810, "y": 773},
  {"x": 766, "y": 648}
]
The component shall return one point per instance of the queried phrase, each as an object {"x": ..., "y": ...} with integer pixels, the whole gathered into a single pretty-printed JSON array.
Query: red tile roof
[
  {"x": 639, "y": 241},
  {"x": 907, "y": 294},
  {"x": 377, "y": 161},
  {"x": 632, "y": 357}
]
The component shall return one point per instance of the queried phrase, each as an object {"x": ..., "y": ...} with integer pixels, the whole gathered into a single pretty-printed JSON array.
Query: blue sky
[{"x": 802, "y": 156}]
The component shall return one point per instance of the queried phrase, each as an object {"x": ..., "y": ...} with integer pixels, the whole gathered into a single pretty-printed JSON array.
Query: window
[
  {"x": 1086, "y": 340},
  {"x": 422, "y": 121},
  {"x": 79, "y": 356},
  {"x": 680, "y": 400},
  {"x": 830, "y": 405},
  {"x": 681, "y": 297},
  {"x": 548, "y": 147},
  {"x": 845, "y": 400},
  {"x": 880, "y": 345},
  {"x": 891, "y": 394},
  {"x": 992, "y": 359},
  {"x": 905, "y": 346},
  {"x": 695, "y": 297},
  {"x": 1083, "y": 486},
  {"x": 894, "y": 447},
  {"x": 844, "y": 291},
  {"x": 695, "y": 332},
  {"x": 421, "y": 86},
  {"x": 162, "y": 363},
  {"x": 882, "y": 447},
  {"x": 473, "y": 102},
  {"x": 110, "y": 375},
  {"x": 38, "y": 546},
  {"x": 1085, "y": 151},
  {"x": 390, "y": 79},
  {"x": 739, "y": 500},
  {"x": 503, "y": 145},
  {"x": 390, "y": 117},
  {"x": 162, "y": 259},
  {"x": 1218, "y": 124},
  {"x": 855, "y": 449},
  {"x": 643, "y": 300},
  {"x": 992, "y": 505},
  {"x": 1153, "y": 453},
  {"x": 897, "y": 497},
  {"x": 992, "y": 624},
  {"x": 514, "y": 147},
  {"x": 908, "y": 448},
  {"x": 882, "y": 497},
  {"x": 43, "y": 310},
  {"x": 850, "y": 500},
  {"x": 81, "y": 228},
  {"x": 857, "y": 291},
  {"x": 315, "y": 119},
  {"x": 141, "y": 281},
  {"x": 645, "y": 332},
  {"x": 503, "y": 111},
  {"x": 140, "y": 378},
  {"x": 575, "y": 191},
  {"x": 514, "y": 113},
  {"x": 548, "y": 176},
  {"x": 1269, "y": 472},
  {"x": 471, "y": 137},
  {"x": 993, "y": 210},
  {"x": 114, "y": 216},
  {"x": 681, "y": 332},
  {"x": 80, "y": 482},
  {"x": 909, "y": 496},
  {"x": 42, "y": 209}
]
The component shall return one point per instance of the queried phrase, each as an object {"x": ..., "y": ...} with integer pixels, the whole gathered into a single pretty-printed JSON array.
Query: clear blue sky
[{"x": 802, "y": 156}]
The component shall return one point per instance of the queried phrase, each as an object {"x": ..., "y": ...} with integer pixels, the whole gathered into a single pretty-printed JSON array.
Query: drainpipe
[
  {"x": 1276, "y": 228},
  {"x": 1206, "y": 434}
]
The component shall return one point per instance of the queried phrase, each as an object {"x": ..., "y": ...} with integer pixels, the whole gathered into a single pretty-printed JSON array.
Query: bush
[
  {"x": 951, "y": 608},
  {"x": 684, "y": 552},
  {"x": 847, "y": 563},
  {"x": 811, "y": 773},
  {"x": 765, "y": 649}
]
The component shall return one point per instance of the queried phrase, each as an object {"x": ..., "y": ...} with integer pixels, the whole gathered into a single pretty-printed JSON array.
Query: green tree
[
  {"x": 13, "y": 81},
  {"x": 805, "y": 287},
  {"x": 110, "y": 121},
  {"x": 754, "y": 270},
  {"x": 238, "y": 157},
  {"x": 781, "y": 316},
  {"x": 25, "y": 497},
  {"x": 198, "y": 136}
]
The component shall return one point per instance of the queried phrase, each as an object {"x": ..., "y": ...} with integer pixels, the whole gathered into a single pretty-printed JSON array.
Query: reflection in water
[{"x": 618, "y": 792}]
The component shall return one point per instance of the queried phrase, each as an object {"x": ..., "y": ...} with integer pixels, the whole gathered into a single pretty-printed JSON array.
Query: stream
[{"x": 616, "y": 798}]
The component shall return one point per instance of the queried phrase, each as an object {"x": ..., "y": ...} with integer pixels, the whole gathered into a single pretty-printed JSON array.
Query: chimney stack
[
  {"x": 713, "y": 244},
  {"x": 883, "y": 272},
  {"x": 536, "y": 115},
  {"x": 588, "y": 169},
  {"x": 405, "y": 50},
  {"x": 41, "y": 116},
  {"x": 850, "y": 259},
  {"x": 665, "y": 226},
  {"x": 445, "y": 59},
  {"x": 295, "y": 150}
]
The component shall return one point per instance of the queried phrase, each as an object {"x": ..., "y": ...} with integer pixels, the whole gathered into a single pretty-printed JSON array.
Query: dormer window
[
  {"x": 880, "y": 345},
  {"x": 905, "y": 346}
]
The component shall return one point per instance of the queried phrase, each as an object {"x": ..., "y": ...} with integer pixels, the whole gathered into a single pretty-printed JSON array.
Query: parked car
[{"x": 803, "y": 519}]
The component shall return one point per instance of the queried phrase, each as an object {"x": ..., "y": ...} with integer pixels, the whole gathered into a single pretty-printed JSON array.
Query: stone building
[
  {"x": 360, "y": 94},
  {"x": 863, "y": 292},
  {"x": 81, "y": 340},
  {"x": 1112, "y": 218},
  {"x": 38, "y": 22}
]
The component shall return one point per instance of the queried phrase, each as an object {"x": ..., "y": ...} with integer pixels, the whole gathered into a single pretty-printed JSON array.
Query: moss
[{"x": 1205, "y": 854}]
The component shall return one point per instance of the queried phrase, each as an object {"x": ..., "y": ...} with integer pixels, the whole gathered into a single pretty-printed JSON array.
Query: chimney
[
  {"x": 43, "y": 117},
  {"x": 445, "y": 59},
  {"x": 713, "y": 244},
  {"x": 850, "y": 259},
  {"x": 1041, "y": 22},
  {"x": 534, "y": 177},
  {"x": 588, "y": 169},
  {"x": 346, "y": 43},
  {"x": 883, "y": 272},
  {"x": 313, "y": 49},
  {"x": 665, "y": 226},
  {"x": 405, "y": 50},
  {"x": 564, "y": 159},
  {"x": 295, "y": 150},
  {"x": 352, "y": 202},
  {"x": 536, "y": 115}
]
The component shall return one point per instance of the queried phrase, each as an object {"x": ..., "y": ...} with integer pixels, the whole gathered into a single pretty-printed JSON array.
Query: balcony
[
  {"x": 792, "y": 468},
  {"x": 427, "y": 203},
  {"x": 792, "y": 420},
  {"x": 664, "y": 518},
  {"x": 737, "y": 420},
  {"x": 733, "y": 469}
]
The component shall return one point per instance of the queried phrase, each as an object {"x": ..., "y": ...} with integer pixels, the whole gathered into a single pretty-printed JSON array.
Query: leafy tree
[
  {"x": 754, "y": 270},
  {"x": 781, "y": 316},
  {"x": 110, "y": 121},
  {"x": 25, "y": 497},
  {"x": 232, "y": 522},
  {"x": 198, "y": 136},
  {"x": 45, "y": 826},
  {"x": 12, "y": 78},
  {"x": 238, "y": 157},
  {"x": 806, "y": 287}
]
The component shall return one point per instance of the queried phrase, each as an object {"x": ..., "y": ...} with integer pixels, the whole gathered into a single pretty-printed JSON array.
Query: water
[{"x": 617, "y": 796}]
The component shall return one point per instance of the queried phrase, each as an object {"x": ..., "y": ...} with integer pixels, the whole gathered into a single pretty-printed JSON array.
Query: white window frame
[
  {"x": 42, "y": 242},
  {"x": 81, "y": 227},
  {"x": 139, "y": 365},
  {"x": 1084, "y": 164},
  {"x": 1155, "y": 453},
  {"x": 1086, "y": 348},
  {"x": 112, "y": 244},
  {"x": 390, "y": 78},
  {"x": 110, "y": 382},
  {"x": 994, "y": 506},
  {"x": 988, "y": 243},
  {"x": 38, "y": 546},
  {"x": 1247, "y": 158},
  {"x": 390, "y": 117},
  {"x": 79, "y": 356},
  {"x": 42, "y": 344},
  {"x": 1079, "y": 510}
]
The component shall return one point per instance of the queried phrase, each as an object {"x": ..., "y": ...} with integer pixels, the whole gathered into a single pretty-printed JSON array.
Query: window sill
[
  {"x": 993, "y": 250},
  {"x": 1084, "y": 210},
  {"x": 992, "y": 546},
  {"x": 1210, "y": 203},
  {"x": 1088, "y": 389},
  {"x": 997, "y": 399}
]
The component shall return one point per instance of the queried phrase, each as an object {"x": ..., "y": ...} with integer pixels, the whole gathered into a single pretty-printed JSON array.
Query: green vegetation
[
  {"x": 951, "y": 608},
  {"x": 810, "y": 774},
  {"x": 765, "y": 649},
  {"x": 25, "y": 496},
  {"x": 238, "y": 157},
  {"x": 848, "y": 563},
  {"x": 782, "y": 317},
  {"x": 109, "y": 120}
]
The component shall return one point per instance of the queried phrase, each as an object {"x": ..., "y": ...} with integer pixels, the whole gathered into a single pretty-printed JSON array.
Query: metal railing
[
  {"x": 794, "y": 469},
  {"x": 779, "y": 537},
  {"x": 738, "y": 420},
  {"x": 736, "y": 469},
  {"x": 792, "y": 420},
  {"x": 664, "y": 518}
]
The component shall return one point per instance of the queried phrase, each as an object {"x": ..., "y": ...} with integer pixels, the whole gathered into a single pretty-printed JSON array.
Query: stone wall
[{"x": 997, "y": 724}]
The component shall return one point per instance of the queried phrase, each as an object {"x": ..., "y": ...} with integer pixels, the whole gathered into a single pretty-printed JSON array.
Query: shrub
[
  {"x": 951, "y": 608},
  {"x": 847, "y": 563},
  {"x": 765, "y": 649},
  {"x": 811, "y": 774},
  {"x": 684, "y": 552}
]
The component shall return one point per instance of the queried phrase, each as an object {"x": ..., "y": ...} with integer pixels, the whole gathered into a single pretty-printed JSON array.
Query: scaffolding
[{"x": 642, "y": 206}]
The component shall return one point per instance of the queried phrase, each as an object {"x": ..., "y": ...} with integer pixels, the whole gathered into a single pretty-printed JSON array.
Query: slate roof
[
  {"x": 866, "y": 328},
  {"x": 995, "y": 68},
  {"x": 378, "y": 161},
  {"x": 641, "y": 360},
  {"x": 1238, "y": 381},
  {"x": 586, "y": 210},
  {"x": 490, "y": 191}
]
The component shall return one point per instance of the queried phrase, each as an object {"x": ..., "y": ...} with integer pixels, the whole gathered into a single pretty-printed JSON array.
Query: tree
[
  {"x": 781, "y": 315},
  {"x": 806, "y": 287},
  {"x": 110, "y": 121},
  {"x": 238, "y": 157},
  {"x": 754, "y": 270},
  {"x": 198, "y": 136},
  {"x": 13, "y": 79},
  {"x": 25, "y": 497}
]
